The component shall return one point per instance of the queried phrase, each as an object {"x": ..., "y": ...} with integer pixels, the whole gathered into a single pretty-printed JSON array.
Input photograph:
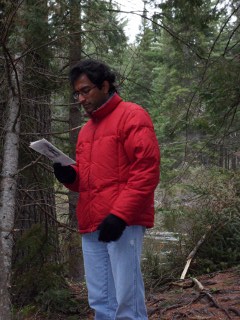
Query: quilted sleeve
[{"x": 142, "y": 149}]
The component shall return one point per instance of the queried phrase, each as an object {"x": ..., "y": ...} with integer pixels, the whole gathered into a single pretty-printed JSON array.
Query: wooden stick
[
  {"x": 204, "y": 291},
  {"x": 192, "y": 254},
  {"x": 198, "y": 284}
]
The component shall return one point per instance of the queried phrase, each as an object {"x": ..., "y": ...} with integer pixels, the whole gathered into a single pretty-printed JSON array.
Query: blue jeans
[{"x": 113, "y": 275}]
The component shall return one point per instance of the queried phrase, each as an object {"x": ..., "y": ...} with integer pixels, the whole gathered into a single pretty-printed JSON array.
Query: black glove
[
  {"x": 64, "y": 174},
  {"x": 111, "y": 228}
]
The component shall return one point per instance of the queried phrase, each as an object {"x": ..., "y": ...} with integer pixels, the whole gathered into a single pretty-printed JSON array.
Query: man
[{"x": 116, "y": 172}]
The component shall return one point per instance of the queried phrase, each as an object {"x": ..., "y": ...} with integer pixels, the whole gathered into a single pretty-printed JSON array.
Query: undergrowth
[{"x": 39, "y": 282}]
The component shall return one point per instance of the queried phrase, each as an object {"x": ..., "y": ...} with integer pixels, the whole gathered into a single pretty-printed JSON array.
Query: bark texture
[
  {"x": 75, "y": 253},
  {"x": 9, "y": 188}
]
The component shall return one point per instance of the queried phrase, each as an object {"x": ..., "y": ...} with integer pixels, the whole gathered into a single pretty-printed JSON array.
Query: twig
[
  {"x": 165, "y": 27},
  {"x": 230, "y": 38},
  {"x": 29, "y": 165},
  {"x": 175, "y": 306},
  {"x": 49, "y": 133},
  {"x": 8, "y": 24},
  {"x": 60, "y": 224},
  {"x": 234, "y": 310}
]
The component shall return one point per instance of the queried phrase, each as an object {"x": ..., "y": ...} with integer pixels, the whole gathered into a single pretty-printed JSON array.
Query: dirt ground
[{"x": 218, "y": 299}]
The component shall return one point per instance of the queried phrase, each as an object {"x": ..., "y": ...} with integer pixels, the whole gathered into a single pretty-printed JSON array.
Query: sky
[{"x": 134, "y": 21}]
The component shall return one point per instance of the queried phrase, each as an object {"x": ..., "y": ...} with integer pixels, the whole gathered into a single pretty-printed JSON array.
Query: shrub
[{"x": 209, "y": 200}]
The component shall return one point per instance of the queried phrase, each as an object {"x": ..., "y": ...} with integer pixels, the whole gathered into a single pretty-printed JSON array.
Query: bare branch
[
  {"x": 221, "y": 30},
  {"x": 29, "y": 165},
  {"x": 49, "y": 133},
  {"x": 229, "y": 40},
  {"x": 9, "y": 24}
]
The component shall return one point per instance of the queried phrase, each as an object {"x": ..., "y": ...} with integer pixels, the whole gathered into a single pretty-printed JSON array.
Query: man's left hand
[{"x": 111, "y": 228}]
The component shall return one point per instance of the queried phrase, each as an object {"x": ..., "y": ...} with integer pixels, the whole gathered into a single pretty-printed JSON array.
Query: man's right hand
[{"x": 64, "y": 174}]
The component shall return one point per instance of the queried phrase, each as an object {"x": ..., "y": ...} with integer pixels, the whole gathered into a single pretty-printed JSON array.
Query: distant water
[
  {"x": 159, "y": 243},
  {"x": 162, "y": 236}
]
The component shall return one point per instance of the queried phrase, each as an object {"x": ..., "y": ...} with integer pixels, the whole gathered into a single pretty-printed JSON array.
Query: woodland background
[{"x": 184, "y": 68}]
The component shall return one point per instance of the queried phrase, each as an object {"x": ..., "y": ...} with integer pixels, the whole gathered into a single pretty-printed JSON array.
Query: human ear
[{"x": 105, "y": 86}]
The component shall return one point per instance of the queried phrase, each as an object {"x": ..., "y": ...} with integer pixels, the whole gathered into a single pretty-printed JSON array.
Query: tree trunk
[
  {"x": 35, "y": 184},
  {"x": 9, "y": 188},
  {"x": 75, "y": 253},
  {"x": 36, "y": 201}
]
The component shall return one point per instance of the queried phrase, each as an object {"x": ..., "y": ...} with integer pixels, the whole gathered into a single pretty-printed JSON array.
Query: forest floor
[{"x": 214, "y": 296}]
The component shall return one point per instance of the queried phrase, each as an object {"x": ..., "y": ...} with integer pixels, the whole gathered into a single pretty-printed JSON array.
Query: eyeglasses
[{"x": 83, "y": 92}]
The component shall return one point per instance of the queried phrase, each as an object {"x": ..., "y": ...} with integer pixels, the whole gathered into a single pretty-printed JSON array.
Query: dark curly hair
[{"x": 96, "y": 71}]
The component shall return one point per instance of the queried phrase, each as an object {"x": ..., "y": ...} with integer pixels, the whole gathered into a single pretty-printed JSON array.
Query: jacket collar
[{"x": 107, "y": 107}]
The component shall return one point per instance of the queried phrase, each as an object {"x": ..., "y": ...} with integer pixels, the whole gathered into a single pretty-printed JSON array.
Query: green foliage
[
  {"x": 220, "y": 94},
  {"x": 24, "y": 312},
  {"x": 151, "y": 268},
  {"x": 138, "y": 86},
  {"x": 58, "y": 300},
  {"x": 209, "y": 201},
  {"x": 38, "y": 280},
  {"x": 187, "y": 76},
  {"x": 34, "y": 269}
]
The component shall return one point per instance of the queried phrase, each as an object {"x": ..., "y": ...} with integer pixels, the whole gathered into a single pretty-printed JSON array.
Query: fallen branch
[
  {"x": 204, "y": 292},
  {"x": 182, "y": 285},
  {"x": 192, "y": 254},
  {"x": 234, "y": 310},
  {"x": 198, "y": 284},
  {"x": 175, "y": 306}
]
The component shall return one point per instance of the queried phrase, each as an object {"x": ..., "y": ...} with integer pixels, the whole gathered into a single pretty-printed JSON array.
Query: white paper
[{"x": 51, "y": 152}]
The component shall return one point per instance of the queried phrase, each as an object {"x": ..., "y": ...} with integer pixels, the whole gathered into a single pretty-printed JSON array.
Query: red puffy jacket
[{"x": 117, "y": 166}]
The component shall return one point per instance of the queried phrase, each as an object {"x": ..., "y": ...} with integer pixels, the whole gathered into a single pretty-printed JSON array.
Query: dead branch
[
  {"x": 200, "y": 287},
  {"x": 65, "y": 193},
  {"x": 60, "y": 120},
  {"x": 163, "y": 26},
  {"x": 29, "y": 165},
  {"x": 30, "y": 50},
  {"x": 49, "y": 133},
  {"x": 9, "y": 23},
  {"x": 204, "y": 292},
  {"x": 230, "y": 38},
  {"x": 60, "y": 224},
  {"x": 192, "y": 254},
  {"x": 175, "y": 306},
  {"x": 50, "y": 103},
  {"x": 221, "y": 30},
  {"x": 234, "y": 310},
  {"x": 181, "y": 284}
]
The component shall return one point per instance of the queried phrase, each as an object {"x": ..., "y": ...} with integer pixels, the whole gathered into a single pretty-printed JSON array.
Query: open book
[{"x": 51, "y": 152}]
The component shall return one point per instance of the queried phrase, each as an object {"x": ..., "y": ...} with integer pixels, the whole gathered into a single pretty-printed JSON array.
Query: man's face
[{"x": 89, "y": 95}]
